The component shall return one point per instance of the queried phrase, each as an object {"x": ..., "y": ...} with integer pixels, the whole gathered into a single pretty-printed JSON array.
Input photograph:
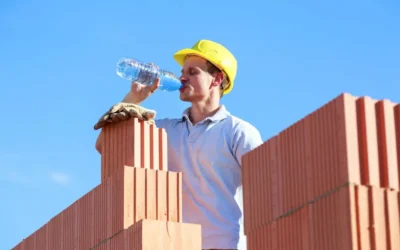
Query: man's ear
[{"x": 218, "y": 79}]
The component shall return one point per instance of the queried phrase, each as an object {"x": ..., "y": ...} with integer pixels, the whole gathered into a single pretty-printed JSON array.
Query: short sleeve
[{"x": 246, "y": 138}]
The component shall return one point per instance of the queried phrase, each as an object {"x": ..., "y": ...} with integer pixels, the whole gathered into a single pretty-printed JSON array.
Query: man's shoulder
[
  {"x": 245, "y": 136},
  {"x": 241, "y": 125},
  {"x": 243, "y": 132}
]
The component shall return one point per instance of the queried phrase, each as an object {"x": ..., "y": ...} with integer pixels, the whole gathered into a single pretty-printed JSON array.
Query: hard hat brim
[{"x": 181, "y": 55}]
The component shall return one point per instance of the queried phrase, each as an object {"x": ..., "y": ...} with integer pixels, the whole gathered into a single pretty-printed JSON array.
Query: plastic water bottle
[{"x": 146, "y": 73}]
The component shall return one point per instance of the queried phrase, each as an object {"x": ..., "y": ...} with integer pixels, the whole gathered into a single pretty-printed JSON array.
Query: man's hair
[{"x": 211, "y": 68}]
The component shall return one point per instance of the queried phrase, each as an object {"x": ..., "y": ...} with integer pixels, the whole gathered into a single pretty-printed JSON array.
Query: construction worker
[{"x": 207, "y": 143}]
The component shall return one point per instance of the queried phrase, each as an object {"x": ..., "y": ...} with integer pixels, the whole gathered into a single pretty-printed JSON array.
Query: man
[{"x": 206, "y": 144}]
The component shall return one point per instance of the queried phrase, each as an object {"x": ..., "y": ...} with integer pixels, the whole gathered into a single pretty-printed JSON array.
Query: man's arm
[{"x": 246, "y": 138}]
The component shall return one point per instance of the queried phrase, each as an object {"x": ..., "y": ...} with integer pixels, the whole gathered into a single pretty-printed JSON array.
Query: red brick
[
  {"x": 157, "y": 235},
  {"x": 162, "y": 150},
  {"x": 397, "y": 127},
  {"x": 347, "y": 141},
  {"x": 387, "y": 145},
  {"x": 259, "y": 195},
  {"x": 55, "y": 232},
  {"x": 162, "y": 203},
  {"x": 41, "y": 238},
  {"x": 306, "y": 229},
  {"x": 377, "y": 218},
  {"x": 392, "y": 219},
  {"x": 133, "y": 143},
  {"x": 154, "y": 147},
  {"x": 367, "y": 135},
  {"x": 29, "y": 243},
  {"x": 363, "y": 217},
  {"x": 86, "y": 218}
]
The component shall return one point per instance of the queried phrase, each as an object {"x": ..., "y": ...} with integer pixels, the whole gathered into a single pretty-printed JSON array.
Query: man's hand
[
  {"x": 129, "y": 107},
  {"x": 123, "y": 111},
  {"x": 139, "y": 92}
]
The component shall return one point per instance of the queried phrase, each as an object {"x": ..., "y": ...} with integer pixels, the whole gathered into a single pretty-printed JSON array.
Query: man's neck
[{"x": 200, "y": 111}]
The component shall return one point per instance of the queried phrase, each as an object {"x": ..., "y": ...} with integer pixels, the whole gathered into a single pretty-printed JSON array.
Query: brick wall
[{"x": 329, "y": 181}]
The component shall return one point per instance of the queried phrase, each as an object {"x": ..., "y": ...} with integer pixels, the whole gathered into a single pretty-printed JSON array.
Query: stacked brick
[
  {"x": 137, "y": 205},
  {"x": 329, "y": 181},
  {"x": 133, "y": 143}
]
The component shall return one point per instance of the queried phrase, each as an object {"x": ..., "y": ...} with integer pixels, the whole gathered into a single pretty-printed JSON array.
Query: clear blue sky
[{"x": 57, "y": 77}]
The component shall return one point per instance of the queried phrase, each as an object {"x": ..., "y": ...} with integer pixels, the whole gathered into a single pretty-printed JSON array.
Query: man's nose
[{"x": 183, "y": 79}]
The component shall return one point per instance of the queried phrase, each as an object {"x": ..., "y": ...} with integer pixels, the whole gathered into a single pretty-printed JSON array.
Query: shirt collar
[{"x": 221, "y": 114}]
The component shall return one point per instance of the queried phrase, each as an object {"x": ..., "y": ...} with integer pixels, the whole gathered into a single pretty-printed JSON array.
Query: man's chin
[
  {"x": 185, "y": 98},
  {"x": 190, "y": 97}
]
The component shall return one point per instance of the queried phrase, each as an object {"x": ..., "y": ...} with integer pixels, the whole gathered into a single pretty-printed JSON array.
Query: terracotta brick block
[
  {"x": 265, "y": 185},
  {"x": 156, "y": 235},
  {"x": 40, "y": 237},
  {"x": 85, "y": 220},
  {"x": 387, "y": 144},
  {"x": 392, "y": 219},
  {"x": 377, "y": 222},
  {"x": 346, "y": 145},
  {"x": 397, "y": 127},
  {"x": 367, "y": 136},
  {"x": 55, "y": 232},
  {"x": 70, "y": 227},
  {"x": 372, "y": 218},
  {"x": 133, "y": 143},
  {"x": 344, "y": 211},
  {"x": 363, "y": 218}
]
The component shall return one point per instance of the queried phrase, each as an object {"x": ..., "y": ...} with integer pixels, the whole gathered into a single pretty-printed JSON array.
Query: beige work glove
[{"x": 123, "y": 111}]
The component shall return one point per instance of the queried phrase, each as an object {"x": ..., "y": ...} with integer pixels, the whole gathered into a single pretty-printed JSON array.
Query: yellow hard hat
[{"x": 214, "y": 52}]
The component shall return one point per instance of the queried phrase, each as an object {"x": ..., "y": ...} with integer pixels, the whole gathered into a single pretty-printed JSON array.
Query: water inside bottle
[
  {"x": 169, "y": 82},
  {"x": 147, "y": 74}
]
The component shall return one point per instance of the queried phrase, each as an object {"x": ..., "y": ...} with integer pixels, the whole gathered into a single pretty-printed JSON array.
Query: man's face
[{"x": 197, "y": 82}]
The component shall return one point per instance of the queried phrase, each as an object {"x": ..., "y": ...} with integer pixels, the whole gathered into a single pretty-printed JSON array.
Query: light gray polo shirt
[{"x": 209, "y": 156}]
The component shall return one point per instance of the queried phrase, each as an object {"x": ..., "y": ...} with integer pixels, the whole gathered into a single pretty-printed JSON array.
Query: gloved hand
[{"x": 123, "y": 111}]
